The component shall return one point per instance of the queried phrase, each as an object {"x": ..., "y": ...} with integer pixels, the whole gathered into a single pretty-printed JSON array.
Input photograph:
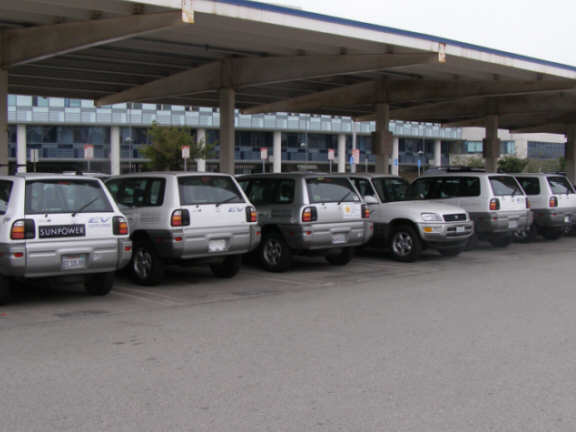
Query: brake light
[
  {"x": 23, "y": 229},
  {"x": 365, "y": 212},
  {"x": 120, "y": 225},
  {"x": 180, "y": 218},
  {"x": 553, "y": 202},
  {"x": 494, "y": 204},
  {"x": 251, "y": 215},
  {"x": 309, "y": 214}
]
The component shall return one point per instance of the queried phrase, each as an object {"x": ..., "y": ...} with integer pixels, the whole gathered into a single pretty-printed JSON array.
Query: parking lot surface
[{"x": 482, "y": 342}]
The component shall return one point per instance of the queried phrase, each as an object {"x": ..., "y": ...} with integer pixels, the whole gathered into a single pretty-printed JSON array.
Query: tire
[
  {"x": 501, "y": 242},
  {"x": 146, "y": 267},
  {"x": 342, "y": 258},
  {"x": 451, "y": 252},
  {"x": 274, "y": 253},
  {"x": 99, "y": 284},
  {"x": 228, "y": 268},
  {"x": 525, "y": 236},
  {"x": 405, "y": 244},
  {"x": 5, "y": 290},
  {"x": 551, "y": 233}
]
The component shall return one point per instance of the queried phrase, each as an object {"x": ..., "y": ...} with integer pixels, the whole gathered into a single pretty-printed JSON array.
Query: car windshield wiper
[
  {"x": 219, "y": 203},
  {"x": 345, "y": 196},
  {"x": 85, "y": 206}
]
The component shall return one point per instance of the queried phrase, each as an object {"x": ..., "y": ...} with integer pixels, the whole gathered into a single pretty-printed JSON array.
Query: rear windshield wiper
[
  {"x": 85, "y": 206},
  {"x": 345, "y": 196},
  {"x": 226, "y": 200}
]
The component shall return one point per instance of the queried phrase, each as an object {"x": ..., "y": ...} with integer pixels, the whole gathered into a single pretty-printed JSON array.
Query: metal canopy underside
[{"x": 238, "y": 28}]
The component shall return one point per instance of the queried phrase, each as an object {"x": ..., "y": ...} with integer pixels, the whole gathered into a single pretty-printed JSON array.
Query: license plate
[
  {"x": 217, "y": 245},
  {"x": 460, "y": 229},
  {"x": 338, "y": 238},
  {"x": 73, "y": 262},
  {"x": 513, "y": 224}
]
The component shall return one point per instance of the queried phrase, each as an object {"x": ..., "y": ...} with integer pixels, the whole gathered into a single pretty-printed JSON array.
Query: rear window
[
  {"x": 391, "y": 189},
  {"x": 445, "y": 187},
  {"x": 65, "y": 196},
  {"x": 196, "y": 190},
  {"x": 138, "y": 191},
  {"x": 330, "y": 189},
  {"x": 560, "y": 185},
  {"x": 5, "y": 190},
  {"x": 531, "y": 185},
  {"x": 269, "y": 191},
  {"x": 502, "y": 186}
]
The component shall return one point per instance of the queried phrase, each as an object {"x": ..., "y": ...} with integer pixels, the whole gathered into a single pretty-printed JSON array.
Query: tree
[
  {"x": 165, "y": 151},
  {"x": 512, "y": 164}
]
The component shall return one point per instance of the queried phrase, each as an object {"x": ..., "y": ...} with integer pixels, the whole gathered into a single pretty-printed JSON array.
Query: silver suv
[
  {"x": 183, "y": 217},
  {"x": 553, "y": 203},
  {"x": 405, "y": 227},
  {"x": 496, "y": 202},
  {"x": 56, "y": 225},
  {"x": 307, "y": 214}
]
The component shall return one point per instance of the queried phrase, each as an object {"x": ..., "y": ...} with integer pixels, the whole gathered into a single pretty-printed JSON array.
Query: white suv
[
  {"x": 553, "y": 203},
  {"x": 56, "y": 225},
  {"x": 496, "y": 202}
]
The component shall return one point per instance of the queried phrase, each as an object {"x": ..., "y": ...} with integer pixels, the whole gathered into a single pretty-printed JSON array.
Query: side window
[
  {"x": 423, "y": 189},
  {"x": 284, "y": 191},
  {"x": 155, "y": 195},
  {"x": 364, "y": 187},
  {"x": 531, "y": 185},
  {"x": 5, "y": 190},
  {"x": 245, "y": 185},
  {"x": 469, "y": 186},
  {"x": 137, "y": 192},
  {"x": 450, "y": 187}
]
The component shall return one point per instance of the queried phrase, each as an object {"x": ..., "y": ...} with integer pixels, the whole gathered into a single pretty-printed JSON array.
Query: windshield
[
  {"x": 330, "y": 189},
  {"x": 560, "y": 185},
  {"x": 5, "y": 190},
  {"x": 65, "y": 196},
  {"x": 196, "y": 190},
  {"x": 391, "y": 189},
  {"x": 502, "y": 186}
]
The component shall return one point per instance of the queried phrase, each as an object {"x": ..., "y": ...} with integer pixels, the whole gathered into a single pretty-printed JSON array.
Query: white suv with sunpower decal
[
  {"x": 56, "y": 225},
  {"x": 185, "y": 218},
  {"x": 553, "y": 202},
  {"x": 496, "y": 202}
]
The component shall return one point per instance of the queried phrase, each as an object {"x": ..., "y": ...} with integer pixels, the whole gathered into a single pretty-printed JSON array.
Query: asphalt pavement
[{"x": 482, "y": 342}]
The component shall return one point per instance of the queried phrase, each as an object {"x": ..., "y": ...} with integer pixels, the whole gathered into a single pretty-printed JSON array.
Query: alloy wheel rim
[
  {"x": 402, "y": 244},
  {"x": 272, "y": 251},
  {"x": 142, "y": 263}
]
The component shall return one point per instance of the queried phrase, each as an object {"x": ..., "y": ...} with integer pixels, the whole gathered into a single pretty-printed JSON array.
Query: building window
[
  {"x": 40, "y": 101},
  {"x": 73, "y": 103},
  {"x": 546, "y": 150}
]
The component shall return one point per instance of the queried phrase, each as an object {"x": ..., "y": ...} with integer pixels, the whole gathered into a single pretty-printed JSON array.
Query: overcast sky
[{"x": 545, "y": 29}]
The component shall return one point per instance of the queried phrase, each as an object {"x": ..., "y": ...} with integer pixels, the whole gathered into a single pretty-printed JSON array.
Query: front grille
[{"x": 455, "y": 217}]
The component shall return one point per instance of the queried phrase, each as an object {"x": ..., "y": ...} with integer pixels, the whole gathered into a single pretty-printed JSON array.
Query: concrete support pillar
[
  {"x": 201, "y": 142},
  {"x": 3, "y": 122},
  {"x": 277, "y": 152},
  {"x": 491, "y": 144},
  {"x": 383, "y": 142},
  {"x": 438, "y": 153},
  {"x": 395, "y": 157},
  {"x": 115, "y": 150},
  {"x": 571, "y": 152},
  {"x": 227, "y": 138},
  {"x": 21, "y": 154},
  {"x": 354, "y": 139},
  {"x": 341, "y": 153}
]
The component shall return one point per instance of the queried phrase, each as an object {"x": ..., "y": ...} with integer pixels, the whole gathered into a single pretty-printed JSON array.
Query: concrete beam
[
  {"x": 21, "y": 153},
  {"x": 115, "y": 151},
  {"x": 249, "y": 71},
  {"x": 30, "y": 44},
  {"x": 408, "y": 91}
]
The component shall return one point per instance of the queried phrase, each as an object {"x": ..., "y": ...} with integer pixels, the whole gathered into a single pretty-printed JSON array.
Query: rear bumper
[
  {"x": 502, "y": 222},
  {"x": 446, "y": 235},
  {"x": 191, "y": 243},
  {"x": 46, "y": 259},
  {"x": 328, "y": 235},
  {"x": 554, "y": 218}
]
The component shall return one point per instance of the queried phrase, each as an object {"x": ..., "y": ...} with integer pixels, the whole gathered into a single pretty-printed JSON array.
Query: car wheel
[
  {"x": 551, "y": 233},
  {"x": 501, "y": 242},
  {"x": 99, "y": 284},
  {"x": 342, "y": 258},
  {"x": 451, "y": 252},
  {"x": 229, "y": 267},
  {"x": 5, "y": 290},
  {"x": 275, "y": 254},
  {"x": 146, "y": 267},
  {"x": 405, "y": 244},
  {"x": 525, "y": 236}
]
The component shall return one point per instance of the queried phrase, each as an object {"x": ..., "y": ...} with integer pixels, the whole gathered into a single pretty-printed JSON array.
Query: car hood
[{"x": 428, "y": 206}]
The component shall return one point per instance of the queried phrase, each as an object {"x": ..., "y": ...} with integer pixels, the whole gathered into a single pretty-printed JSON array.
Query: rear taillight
[
  {"x": 553, "y": 202},
  {"x": 120, "y": 225},
  {"x": 309, "y": 214},
  {"x": 527, "y": 203},
  {"x": 494, "y": 204},
  {"x": 365, "y": 212},
  {"x": 251, "y": 215},
  {"x": 23, "y": 229},
  {"x": 180, "y": 218}
]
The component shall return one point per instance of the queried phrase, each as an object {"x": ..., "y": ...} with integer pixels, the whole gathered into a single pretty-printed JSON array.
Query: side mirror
[{"x": 371, "y": 199}]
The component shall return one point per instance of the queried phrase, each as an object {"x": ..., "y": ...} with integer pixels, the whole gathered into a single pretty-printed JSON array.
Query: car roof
[
  {"x": 298, "y": 174},
  {"x": 538, "y": 174},
  {"x": 463, "y": 174},
  {"x": 47, "y": 176},
  {"x": 168, "y": 174}
]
